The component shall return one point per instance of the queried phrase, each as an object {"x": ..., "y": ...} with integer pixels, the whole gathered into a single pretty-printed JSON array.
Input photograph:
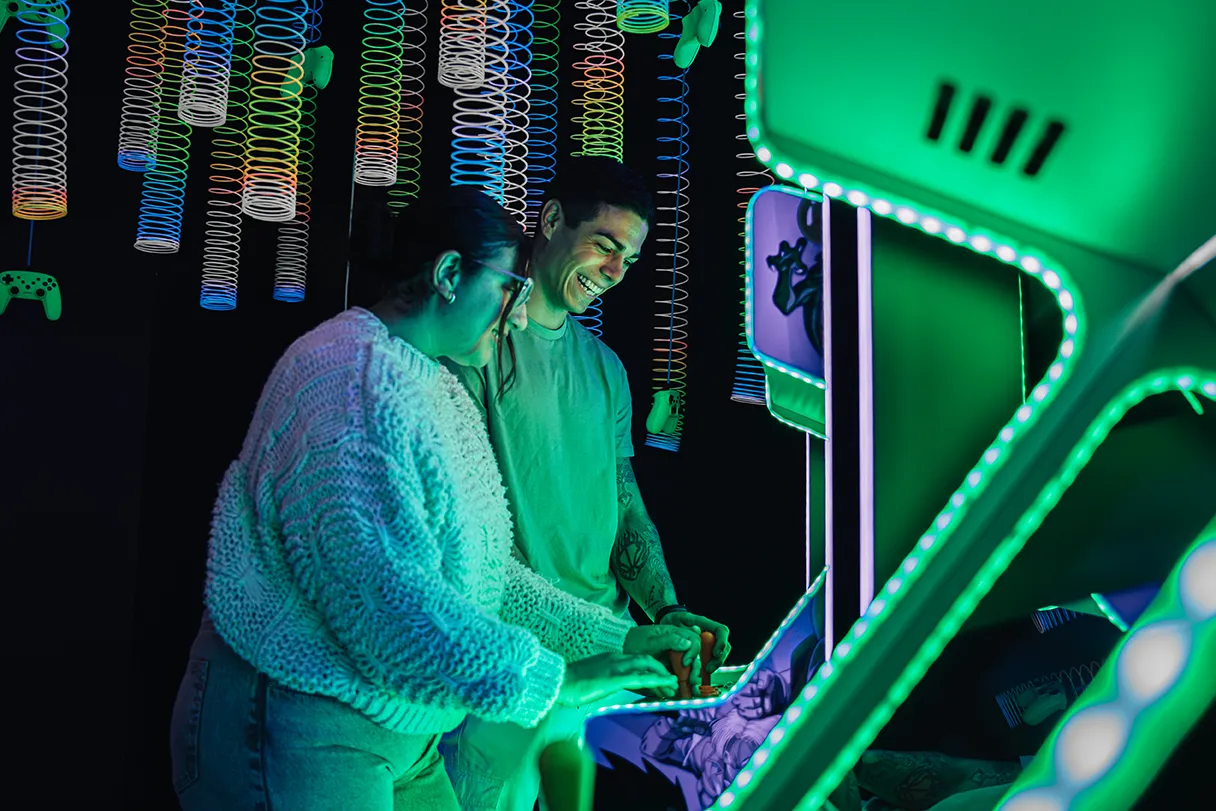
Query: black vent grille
[{"x": 982, "y": 112}]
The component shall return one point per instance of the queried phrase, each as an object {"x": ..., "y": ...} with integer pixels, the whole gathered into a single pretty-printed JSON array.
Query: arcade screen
[
  {"x": 691, "y": 753},
  {"x": 786, "y": 270}
]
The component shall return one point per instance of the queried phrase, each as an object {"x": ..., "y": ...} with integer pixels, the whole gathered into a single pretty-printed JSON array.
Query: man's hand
[
  {"x": 697, "y": 623},
  {"x": 656, "y": 640}
]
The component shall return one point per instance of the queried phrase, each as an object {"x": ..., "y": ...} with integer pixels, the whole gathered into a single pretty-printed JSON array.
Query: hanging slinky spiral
[
  {"x": 409, "y": 117},
  {"x": 40, "y": 110},
  {"x": 162, "y": 201},
  {"x": 642, "y": 16},
  {"x": 542, "y": 112},
  {"x": 669, "y": 371},
  {"x": 463, "y": 38},
  {"x": 752, "y": 176},
  {"x": 379, "y": 93},
  {"x": 517, "y": 87},
  {"x": 291, "y": 260},
  {"x": 480, "y": 116},
  {"x": 222, "y": 237},
  {"x": 208, "y": 65},
  {"x": 272, "y": 142},
  {"x": 139, "y": 128}
]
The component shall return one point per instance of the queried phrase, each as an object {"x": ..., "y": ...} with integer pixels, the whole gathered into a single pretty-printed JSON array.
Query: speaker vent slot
[{"x": 984, "y": 107}]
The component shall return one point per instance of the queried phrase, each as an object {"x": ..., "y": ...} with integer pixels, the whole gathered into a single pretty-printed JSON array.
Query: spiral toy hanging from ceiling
[
  {"x": 642, "y": 16},
  {"x": 480, "y": 116},
  {"x": 462, "y": 43},
  {"x": 542, "y": 112},
  {"x": 409, "y": 117},
  {"x": 272, "y": 141},
  {"x": 752, "y": 176},
  {"x": 379, "y": 93},
  {"x": 669, "y": 365},
  {"x": 162, "y": 200},
  {"x": 517, "y": 88},
  {"x": 40, "y": 110},
  {"x": 222, "y": 236},
  {"x": 601, "y": 124},
  {"x": 139, "y": 128},
  {"x": 207, "y": 68},
  {"x": 291, "y": 259}
]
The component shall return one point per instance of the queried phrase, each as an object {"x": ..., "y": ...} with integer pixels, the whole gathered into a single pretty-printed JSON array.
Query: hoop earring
[{"x": 451, "y": 297}]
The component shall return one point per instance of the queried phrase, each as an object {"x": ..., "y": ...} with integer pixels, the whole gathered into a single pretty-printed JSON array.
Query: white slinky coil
[
  {"x": 517, "y": 89},
  {"x": 272, "y": 141},
  {"x": 291, "y": 259},
  {"x": 463, "y": 38},
  {"x": 480, "y": 116},
  {"x": 206, "y": 73},
  {"x": 409, "y": 117},
  {"x": 602, "y": 120},
  {"x": 751, "y": 177},
  {"x": 139, "y": 127},
  {"x": 379, "y": 93},
  {"x": 222, "y": 236},
  {"x": 40, "y": 107}
]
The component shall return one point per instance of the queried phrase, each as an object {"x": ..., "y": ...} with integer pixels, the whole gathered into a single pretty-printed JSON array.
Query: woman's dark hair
[
  {"x": 396, "y": 250},
  {"x": 583, "y": 185}
]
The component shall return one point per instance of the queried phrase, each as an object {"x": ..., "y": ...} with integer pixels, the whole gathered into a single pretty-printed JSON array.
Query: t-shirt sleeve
[
  {"x": 364, "y": 544},
  {"x": 622, "y": 407}
]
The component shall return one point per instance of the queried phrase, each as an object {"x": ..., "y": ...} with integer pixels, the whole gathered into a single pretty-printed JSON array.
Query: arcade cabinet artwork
[{"x": 683, "y": 754}]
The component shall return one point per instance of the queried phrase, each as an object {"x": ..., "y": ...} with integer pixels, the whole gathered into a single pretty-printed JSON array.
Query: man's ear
[
  {"x": 445, "y": 273},
  {"x": 551, "y": 216}
]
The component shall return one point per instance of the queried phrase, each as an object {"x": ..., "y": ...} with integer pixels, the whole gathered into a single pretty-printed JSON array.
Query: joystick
[
  {"x": 317, "y": 70},
  {"x": 699, "y": 29},
  {"x": 34, "y": 286},
  {"x": 38, "y": 15},
  {"x": 665, "y": 412}
]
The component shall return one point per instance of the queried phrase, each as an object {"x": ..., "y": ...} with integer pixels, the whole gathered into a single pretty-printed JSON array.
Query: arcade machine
[{"x": 1029, "y": 139}]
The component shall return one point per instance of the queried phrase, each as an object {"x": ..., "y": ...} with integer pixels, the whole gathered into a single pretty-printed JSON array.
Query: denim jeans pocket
[{"x": 187, "y": 724}]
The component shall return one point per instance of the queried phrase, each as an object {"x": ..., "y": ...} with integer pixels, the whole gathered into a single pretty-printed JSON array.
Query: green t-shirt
[{"x": 557, "y": 434}]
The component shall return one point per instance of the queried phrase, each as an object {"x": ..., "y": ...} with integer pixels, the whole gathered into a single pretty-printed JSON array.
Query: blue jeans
[{"x": 241, "y": 741}]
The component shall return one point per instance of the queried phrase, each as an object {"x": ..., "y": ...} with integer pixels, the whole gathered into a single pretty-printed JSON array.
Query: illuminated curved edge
[
  {"x": 683, "y": 703},
  {"x": 981, "y": 241},
  {"x": 1151, "y": 725}
]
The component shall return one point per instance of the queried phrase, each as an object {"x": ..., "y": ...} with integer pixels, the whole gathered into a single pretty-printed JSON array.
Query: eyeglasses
[{"x": 522, "y": 288}]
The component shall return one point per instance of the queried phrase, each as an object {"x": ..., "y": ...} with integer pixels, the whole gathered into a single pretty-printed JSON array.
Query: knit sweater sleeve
[
  {"x": 573, "y": 627},
  {"x": 362, "y": 543}
]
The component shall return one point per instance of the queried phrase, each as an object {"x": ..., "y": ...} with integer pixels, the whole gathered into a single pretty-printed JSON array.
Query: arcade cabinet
[{"x": 1028, "y": 138}]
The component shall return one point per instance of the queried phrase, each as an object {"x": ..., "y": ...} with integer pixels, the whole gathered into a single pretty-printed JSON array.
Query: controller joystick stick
[
  {"x": 664, "y": 415},
  {"x": 26, "y": 284},
  {"x": 699, "y": 28}
]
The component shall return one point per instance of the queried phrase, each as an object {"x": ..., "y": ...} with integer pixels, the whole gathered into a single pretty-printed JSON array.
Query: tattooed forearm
[
  {"x": 626, "y": 485},
  {"x": 920, "y": 780},
  {"x": 637, "y": 560}
]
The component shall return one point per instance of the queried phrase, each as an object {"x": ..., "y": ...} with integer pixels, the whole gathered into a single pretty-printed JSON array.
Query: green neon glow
[
  {"x": 1009, "y": 251},
  {"x": 1109, "y": 612},
  {"x": 1156, "y": 684}
]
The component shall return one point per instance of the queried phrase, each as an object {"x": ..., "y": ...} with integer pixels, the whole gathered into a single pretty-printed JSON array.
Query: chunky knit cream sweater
[{"x": 361, "y": 545}]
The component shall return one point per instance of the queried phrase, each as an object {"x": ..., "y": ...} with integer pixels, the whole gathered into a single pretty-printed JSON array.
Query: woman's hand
[{"x": 602, "y": 675}]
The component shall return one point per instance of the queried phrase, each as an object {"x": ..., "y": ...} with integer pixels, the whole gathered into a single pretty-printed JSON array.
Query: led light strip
[
  {"x": 222, "y": 235},
  {"x": 208, "y": 65},
  {"x": 409, "y": 116},
  {"x": 542, "y": 113},
  {"x": 40, "y": 110},
  {"x": 272, "y": 140},
  {"x": 162, "y": 200},
  {"x": 749, "y": 386},
  {"x": 642, "y": 16},
  {"x": 601, "y": 124},
  {"x": 1109, "y": 745},
  {"x": 463, "y": 42},
  {"x": 669, "y": 365},
  {"x": 974, "y": 484},
  {"x": 291, "y": 260},
  {"x": 139, "y": 128},
  {"x": 479, "y": 118},
  {"x": 379, "y": 93}
]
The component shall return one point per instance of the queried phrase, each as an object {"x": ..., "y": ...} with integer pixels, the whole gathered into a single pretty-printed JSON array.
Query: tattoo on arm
[
  {"x": 920, "y": 780},
  {"x": 637, "y": 555},
  {"x": 626, "y": 485}
]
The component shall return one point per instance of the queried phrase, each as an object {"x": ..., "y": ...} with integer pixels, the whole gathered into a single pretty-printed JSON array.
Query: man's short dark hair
[{"x": 585, "y": 184}]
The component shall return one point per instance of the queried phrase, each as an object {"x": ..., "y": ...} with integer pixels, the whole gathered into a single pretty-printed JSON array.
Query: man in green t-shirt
[{"x": 562, "y": 438}]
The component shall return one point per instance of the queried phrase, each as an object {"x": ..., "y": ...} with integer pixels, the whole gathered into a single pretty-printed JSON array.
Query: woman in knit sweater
[{"x": 361, "y": 595}]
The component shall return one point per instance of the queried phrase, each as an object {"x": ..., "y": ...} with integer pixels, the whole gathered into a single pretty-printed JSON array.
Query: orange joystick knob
[
  {"x": 707, "y": 651},
  {"x": 682, "y": 671}
]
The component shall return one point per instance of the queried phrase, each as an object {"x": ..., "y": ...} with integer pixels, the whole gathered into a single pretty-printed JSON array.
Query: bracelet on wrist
[{"x": 670, "y": 609}]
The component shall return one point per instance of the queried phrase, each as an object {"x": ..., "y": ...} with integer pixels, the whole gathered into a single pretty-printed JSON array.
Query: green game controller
[
  {"x": 664, "y": 415},
  {"x": 699, "y": 29},
  {"x": 33, "y": 286},
  {"x": 57, "y": 11},
  {"x": 317, "y": 70}
]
